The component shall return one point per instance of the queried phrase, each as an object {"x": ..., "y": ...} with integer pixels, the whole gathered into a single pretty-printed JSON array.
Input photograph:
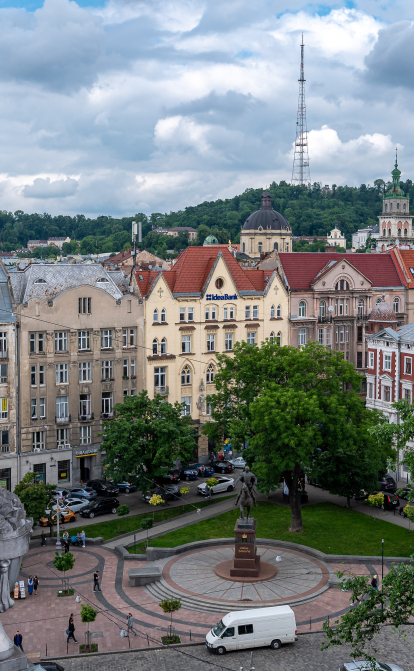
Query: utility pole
[
  {"x": 134, "y": 242},
  {"x": 301, "y": 172}
]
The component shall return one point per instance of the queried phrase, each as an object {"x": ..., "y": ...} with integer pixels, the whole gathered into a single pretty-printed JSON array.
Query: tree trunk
[{"x": 292, "y": 480}]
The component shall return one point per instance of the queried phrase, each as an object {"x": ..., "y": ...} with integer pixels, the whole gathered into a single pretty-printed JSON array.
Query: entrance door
[{"x": 84, "y": 469}]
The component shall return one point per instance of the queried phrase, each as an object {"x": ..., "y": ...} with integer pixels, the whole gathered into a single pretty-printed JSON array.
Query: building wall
[{"x": 267, "y": 239}]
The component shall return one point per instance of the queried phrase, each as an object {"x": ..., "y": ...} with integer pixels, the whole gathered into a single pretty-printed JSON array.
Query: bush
[
  {"x": 376, "y": 499},
  {"x": 211, "y": 482}
]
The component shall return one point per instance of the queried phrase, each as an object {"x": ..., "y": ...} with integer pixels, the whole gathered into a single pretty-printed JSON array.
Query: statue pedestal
[{"x": 16, "y": 662}]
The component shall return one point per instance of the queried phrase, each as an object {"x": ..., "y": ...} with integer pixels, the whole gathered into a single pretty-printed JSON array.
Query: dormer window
[
  {"x": 40, "y": 281},
  {"x": 102, "y": 279}
]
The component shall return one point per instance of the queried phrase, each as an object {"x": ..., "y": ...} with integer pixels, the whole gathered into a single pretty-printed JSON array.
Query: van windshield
[{"x": 219, "y": 628}]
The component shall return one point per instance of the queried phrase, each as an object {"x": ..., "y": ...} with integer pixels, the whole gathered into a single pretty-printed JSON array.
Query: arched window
[
  {"x": 386, "y": 207},
  {"x": 210, "y": 374},
  {"x": 322, "y": 309},
  {"x": 302, "y": 309},
  {"x": 164, "y": 346},
  {"x": 272, "y": 337},
  {"x": 404, "y": 207},
  {"x": 398, "y": 206},
  {"x": 384, "y": 232},
  {"x": 406, "y": 231},
  {"x": 379, "y": 300},
  {"x": 260, "y": 247},
  {"x": 279, "y": 311},
  {"x": 275, "y": 246},
  {"x": 287, "y": 246},
  {"x": 396, "y": 305},
  {"x": 163, "y": 316},
  {"x": 155, "y": 346},
  {"x": 389, "y": 232},
  {"x": 390, "y": 207},
  {"x": 186, "y": 375},
  {"x": 360, "y": 307},
  {"x": 279, "y": 338},
  {"x": 272, "y": 312},
  {"x": 399, "y": 232},
  {"x": 244, "y": 247},
  {"x": 155, "y": 316}
]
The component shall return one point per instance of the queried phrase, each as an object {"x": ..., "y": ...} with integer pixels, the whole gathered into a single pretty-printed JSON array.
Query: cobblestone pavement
[{"x": 304, "y": 655}]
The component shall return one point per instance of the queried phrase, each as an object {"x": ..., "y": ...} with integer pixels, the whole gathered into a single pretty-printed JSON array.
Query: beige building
[
  {"x": 265, "y": 230},
  {"x": 203, "y": 306},
  {"x": 80, "y": 331},
  {"x": 336, "y": 239}
]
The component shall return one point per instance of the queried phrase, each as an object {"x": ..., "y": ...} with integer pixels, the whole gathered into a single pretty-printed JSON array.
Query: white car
[
  {"x": 364, "y": 666},
  {"x": 74, "y": 504},
  {"x": 224, "y": 485},
  {"x": 238, "y": 463}
]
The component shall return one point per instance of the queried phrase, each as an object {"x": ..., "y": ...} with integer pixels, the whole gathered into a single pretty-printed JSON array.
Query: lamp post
[
  {"x": 382, "y": 571},
  {"x": 58, "y": 545}
]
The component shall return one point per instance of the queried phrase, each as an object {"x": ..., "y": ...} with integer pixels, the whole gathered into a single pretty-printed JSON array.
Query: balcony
[
  {"x": 4, "y": 354},
  {"x": 107, "y": 415},
  {"x": 86, "y": 417},
  {"x": 63, "y": 420},
  {"x": 325, "y": 320},
  {"x": 162, "y": 391},
  {"x": 362, "y": 318},
  {"x": 63, "y": 445}
]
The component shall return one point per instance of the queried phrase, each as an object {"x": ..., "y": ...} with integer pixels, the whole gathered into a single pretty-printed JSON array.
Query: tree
[
  {"x": 393, "y": 605},
  {"x": 145, "y": 437},
  {"x": 64, "y": 563},
  {"x": 146, "y": 524},
  {"x": 170, "y": 605},
  {"x": 290, "y": 405},
  {"x": 34, "y": 495},
  {"x": 121, "y": 511},
  {"x": 88, "y": 614}
]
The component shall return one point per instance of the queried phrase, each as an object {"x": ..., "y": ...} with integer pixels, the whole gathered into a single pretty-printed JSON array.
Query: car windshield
[
  {"x": 87, "y": 489},
  {"x": 94, "y": 504},
  {"x": 219, "y": 628}
]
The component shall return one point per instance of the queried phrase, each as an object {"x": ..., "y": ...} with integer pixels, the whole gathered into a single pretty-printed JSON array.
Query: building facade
[
  {"x": 395, "y": 221},
  {"x": 361, "y": 237},
  {"x": 335, "y": 238},
  {"x": 265, "y": 230},
  {"x": 8, "y": 380}
]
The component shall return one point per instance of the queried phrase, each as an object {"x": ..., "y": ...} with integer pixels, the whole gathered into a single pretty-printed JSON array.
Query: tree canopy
[{"x": 34, "y": 495}]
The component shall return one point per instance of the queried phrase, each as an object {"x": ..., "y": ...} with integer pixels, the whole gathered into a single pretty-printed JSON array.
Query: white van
[{"x": 252, "y": 629}]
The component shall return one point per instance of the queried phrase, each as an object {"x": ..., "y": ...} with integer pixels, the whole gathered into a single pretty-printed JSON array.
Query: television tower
[{"x": 301, "y": 172}]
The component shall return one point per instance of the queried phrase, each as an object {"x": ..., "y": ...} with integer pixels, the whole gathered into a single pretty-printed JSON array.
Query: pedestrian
[
  {"x": 230, "y": 454},
  {"x": 221, "y": 456},
  {"x": 62, "y": 521},
  {"x": 65, "y": 536},
  {"x": 209, "y": 492},
  {"x": 71, "y": 629},
  {"x": 83, "y": 537},
  {"x": 202, "y": 470},
  {"x": 35, "y": 583},
  {"x": 130, "y": 624},
  {"x": 43, "y": 538},
  {"x": 18, "y": 640},
  {"x": 30, "y": 585},
  {"x": 374, "y": 582},
  {"x": 96, "y": 581}
]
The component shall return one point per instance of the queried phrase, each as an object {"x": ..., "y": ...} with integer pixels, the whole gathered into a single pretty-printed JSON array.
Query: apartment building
[
  {"x": 80, "y": 331},
  {"x": 8, "y": 381}
]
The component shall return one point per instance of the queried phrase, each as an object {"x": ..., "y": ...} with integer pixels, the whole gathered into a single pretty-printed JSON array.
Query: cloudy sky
[{"x": 153, "y": 105}]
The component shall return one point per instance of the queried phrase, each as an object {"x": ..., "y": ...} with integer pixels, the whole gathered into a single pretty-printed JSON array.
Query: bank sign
[{"x": 216, "y": 297}]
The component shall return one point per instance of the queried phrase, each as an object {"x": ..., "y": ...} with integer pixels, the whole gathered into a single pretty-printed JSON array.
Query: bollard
[
  {"x": 147, "y": 640},
  {"x": 310, "y": 623},
  {"x": 46, "y": 649},
  {"x": 190, "y": 634}
]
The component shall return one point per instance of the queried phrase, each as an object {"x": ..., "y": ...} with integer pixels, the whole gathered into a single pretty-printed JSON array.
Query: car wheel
[
  {"x": 126, "y": 490},
  {"x": 276, "y": 644},
  {"x": 230, "y": 488},
  {"x": 113, "y": 511},
  {"x": 91, "y": 515},
  {"x": 221, "y": 650},
  {"x": 72, "y": 519},
  {"x": 187, "y": 478},
  {"x": 382, "y": 507}
]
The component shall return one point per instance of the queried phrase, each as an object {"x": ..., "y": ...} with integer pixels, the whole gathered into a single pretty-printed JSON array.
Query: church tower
[{"x": 395, "y": 221}]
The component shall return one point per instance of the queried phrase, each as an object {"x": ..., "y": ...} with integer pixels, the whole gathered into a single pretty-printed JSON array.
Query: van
[{"x": 253, "y": 629}]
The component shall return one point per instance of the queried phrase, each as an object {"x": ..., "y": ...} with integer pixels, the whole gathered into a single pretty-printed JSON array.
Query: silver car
[
  {"x": 364, "y": 666},
  {"x": 74, "y": 504},
  {"x": 239, "y": 462},
  {"x": 224, "y": 485}
]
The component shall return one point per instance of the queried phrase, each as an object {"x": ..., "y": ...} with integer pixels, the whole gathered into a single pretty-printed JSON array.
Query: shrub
[{"x": 376, "y": 499}]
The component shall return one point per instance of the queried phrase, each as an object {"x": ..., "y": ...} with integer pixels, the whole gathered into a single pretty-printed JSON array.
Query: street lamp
[{"x": 58, "y": 545}]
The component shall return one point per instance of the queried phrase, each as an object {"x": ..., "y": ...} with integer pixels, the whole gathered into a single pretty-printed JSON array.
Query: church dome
[
  {"x": 382, "y": 312},
  {"x": 210, "y": 241},
  {"x": 266, "y": 219}
]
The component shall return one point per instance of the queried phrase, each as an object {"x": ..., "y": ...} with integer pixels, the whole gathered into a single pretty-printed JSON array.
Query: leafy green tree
[
  {"x": 401, "y": 434},
  {"x": 88, "y": 614},
  {"x": 146, "y": 524},
  {"x": 34, "y": 495},
  {"x": 145, "y": 437},
  {"x": 170, "y": 605},
  {"x": 64, "y": 563},
  {"x": 290, "y": 405}
]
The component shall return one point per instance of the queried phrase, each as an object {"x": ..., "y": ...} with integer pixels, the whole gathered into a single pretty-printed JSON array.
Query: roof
[
  {"x": 183, "y": 228},
  {"x": 266, "y": 217},
  {"x": 58, "y": 239},
  {"x": 301, "y": 268},
  {"x": 382, "y": 312},
  {"x": 404, "y": 260},
  {"x": 121, "y": 256},
  {"x": 6, "y": 307}
]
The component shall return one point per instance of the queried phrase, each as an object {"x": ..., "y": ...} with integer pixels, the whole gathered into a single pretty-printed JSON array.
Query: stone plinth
[
  {"x": 246, "y": 559},
  {"x": 17, "y": 661}
]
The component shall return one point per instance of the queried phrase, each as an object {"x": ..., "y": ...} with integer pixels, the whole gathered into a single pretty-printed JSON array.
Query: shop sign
[
  {"x": 216, "y": 297},
  {"x": 86, "y": 453}
]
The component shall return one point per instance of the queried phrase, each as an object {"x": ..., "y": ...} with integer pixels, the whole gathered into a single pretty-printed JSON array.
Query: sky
[{"x": 153, "y": 105}]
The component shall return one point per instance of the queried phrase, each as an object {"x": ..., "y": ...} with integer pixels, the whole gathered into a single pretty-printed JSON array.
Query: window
[
  {"x": 336, "y": 335},
  {"x": 370, "y": 390},
  {"x": 247, "y": 312},
  {"x": 210, "y": 374},
  {"x": 106, "y": 339},
  {"x": 225, "y": 313},
  {"x": 185, "y": 344},
  {"x": 359, "y": 359},
  {"x": 387, "y": 394},
  {"x": 399, "y": 232},
  {"x": 371, "y": 359},
  {"x": 228, "y": 312},
  {"x": 42, "y": 408},
  {"x": 231, "y": 312},
  {"x": 260, "y": 246},
  {"x": 347, "y": 333},
  {"x": 251, "y": 337},
  {"x": 219, "y": 283},
  {"x": 405, "y": 229},
  {"x": 33, "y": 408},
  {"x": 61, "y": 373},
  {"x": 207, "y": 314},
  {"x": 62, "y": 407},
  {"x": 407, "y": 395},
  {"x": 396, "y": 305},
  {"x": 85, "y": 405},
  {"x": 85, "y": 435},
  {"x": 155, "y": 347},
  {"x": 32, "y": 343},
  {"x": 159, "y": 377},
  {"x": 213, "y": 312},
  {"x": 408, "y": 365},
  {"x": 272, "y": 337},
  {"x": 245, "y": 629},
  {"x": 384, "y": 232},
  {"x": 163, "y": 316},
  {"x": 279, "y": 311},
  {"x": 279, "y": 339},
  {"x": 85, "y": 306},
  {"x": 360, "y": 334},
  {"x": 320, "y": 336},
  {"x": 387, "y": 361},
  {"x": 302, "y": 309},
  {"x": 85, "y": 371},
  {"x": 275, "y": 246},
  {"x": 40, "y": 470},
  {"x": 84, "y": 341},
  {"x": 341, "y": 306},
  {"x": 185, "y": 405},
  {"x": 107, "y": 402},
  {"x": 41, "y": 342},
  {"x": 63, "y": 438},
  {"x": 33, "y": 375},
  {"x": 211, "y": 342},
  {"x": 302, "y": 337},
  {"x": 272, "y": 312},
  {"x": 41, "y": 375},
  {"x": 126, "y": 393},
  {"x": 38, "y": 442},
  {"x": 186, "y": 375},
  {"x": 163, "y": 346},
  {"x": 132, "y": 392},
  {"x": 182, "y": 314},
  {"x": 255, "y": 312},
  {"x": 107, "y": 370},
  {"x": 155, "y": 316},
  {"x": 209, "y": 408},
  {"x": 228, "y": 342},
  {"x": 61, "y": 341},
  {"x": 341, "y": 334},
  {"x": 128, "y": 337},
  {"x": 190, "y": 314},
  {"x": 328, "y": 337},
  {"x": 64, "y": 469},
  {"x": 4, "y": 442},
  {"x": 389, "y": 232},
  {"x": 360, "y": 307},
  {"x": 125, "y": 367}
]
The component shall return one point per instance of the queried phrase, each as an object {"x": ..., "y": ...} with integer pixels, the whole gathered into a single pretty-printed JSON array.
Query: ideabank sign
[{"x": 216, "y": 297}]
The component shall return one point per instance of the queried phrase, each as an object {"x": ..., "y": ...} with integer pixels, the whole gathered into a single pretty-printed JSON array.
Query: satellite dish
[{"x": 330, "y": 309}]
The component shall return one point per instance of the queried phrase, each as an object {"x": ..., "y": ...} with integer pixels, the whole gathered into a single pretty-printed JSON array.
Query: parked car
[
  {"x": 83, "y": 493},
  {"x": 189, "y": 474},
  {"x": 224, "y": 485},
  {"x": 126, "y": 487},
  {"x": 103, "y": 488},
  {"x": 73, "y": 504},
  {"x": 171, "y": 476},
  {"x": 239, "y": 462},
  {"x": 100, "y": 507},
  {"x": 203, "y": 470},
  {"x": 390, "y": 501},
  {"x": 363, "y": 666},
  {"x": 404, "y": 492},
  {"x": 168, "y": 493},
  {"x": 387, "y": 484},
  {"x": 68, "y": 514},
  {"x": 61, "y": 492},
  {"x": 222, "y": 466}
]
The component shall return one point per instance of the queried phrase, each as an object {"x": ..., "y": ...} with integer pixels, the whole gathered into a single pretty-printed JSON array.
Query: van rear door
[{"x": 245, "y": 636}]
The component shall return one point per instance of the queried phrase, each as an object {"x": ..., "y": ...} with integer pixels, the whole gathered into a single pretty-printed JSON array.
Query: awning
[{"x": 92, "y": 454}]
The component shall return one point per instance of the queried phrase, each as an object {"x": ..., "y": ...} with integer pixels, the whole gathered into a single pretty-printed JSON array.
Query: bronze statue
[
  {"x": 249, "y": 479},
  {"x": 245, "y": 500}
]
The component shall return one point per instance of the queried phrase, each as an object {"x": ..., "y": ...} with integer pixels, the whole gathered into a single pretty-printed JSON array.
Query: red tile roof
[
  {"x": 301, "y": 268},
  {"x": 404, "y": 260}
]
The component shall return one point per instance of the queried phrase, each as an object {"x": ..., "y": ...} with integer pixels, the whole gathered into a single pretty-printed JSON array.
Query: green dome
[
  {"x": 210, "y": 240},
  {"x": 395, "y": 191}
]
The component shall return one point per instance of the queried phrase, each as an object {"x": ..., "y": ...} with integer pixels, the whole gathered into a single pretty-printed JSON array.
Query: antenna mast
[{"x": 301, "y": 172}]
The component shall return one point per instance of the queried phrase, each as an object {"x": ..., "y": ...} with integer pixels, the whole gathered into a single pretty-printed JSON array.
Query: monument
[
  {"x": 246, "y": 565},
  {"x": 14, "y": 543}
]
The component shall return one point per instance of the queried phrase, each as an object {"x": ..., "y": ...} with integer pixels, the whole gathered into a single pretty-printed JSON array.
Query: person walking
[
  {"x": 71, "y": 629},
  {"x": 130, "y": 622},
  {"x": 209, "y": 492},
  {"x": 374, "y": 582},
  {"x": 43, "y": 538},
  {"x": 83, "y": 537},
  {"x": 35, "y": 583},
  {"x": 30, "y": 585},
  {"x": 96, "y": 581},
  {"x": 18, "y": 640},
  {"x": 230, "y": 454}
]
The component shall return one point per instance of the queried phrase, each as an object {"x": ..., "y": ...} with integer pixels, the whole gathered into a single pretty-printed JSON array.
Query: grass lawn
[{"x": 328, "y": 528}]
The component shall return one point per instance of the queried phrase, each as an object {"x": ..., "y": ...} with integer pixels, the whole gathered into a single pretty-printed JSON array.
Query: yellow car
[{"x": 68, "y": 514}]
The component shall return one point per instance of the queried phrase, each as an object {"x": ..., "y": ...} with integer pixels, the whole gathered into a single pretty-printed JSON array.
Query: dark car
[
  {"x": 223, "y": 466},
  {"x": 405, "y": 492},
  {"x": 390, "y": 501},
  {"x": 387, "y": 484},
  {"x": 189, "y": 474},
  {"x": 103, "y": 488},
  {"x": 203, "y": 470},
  {"x": 168, "y": 493},
  {"x": 100, "y": 507},
  {"x": 126, "y": 487}
]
